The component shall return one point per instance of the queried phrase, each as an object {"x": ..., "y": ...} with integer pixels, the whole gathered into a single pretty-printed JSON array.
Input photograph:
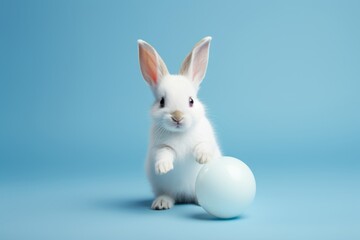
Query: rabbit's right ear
[{"x": 152, "y": 66}]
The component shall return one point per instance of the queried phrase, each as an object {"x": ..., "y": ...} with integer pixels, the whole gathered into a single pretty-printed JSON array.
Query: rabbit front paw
[
  {"x": 163, "y": 166},
  {"x": 203, "y": 153}
]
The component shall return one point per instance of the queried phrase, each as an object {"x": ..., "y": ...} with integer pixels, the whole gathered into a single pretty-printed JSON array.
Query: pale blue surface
[{"x": 282, "y": 90}]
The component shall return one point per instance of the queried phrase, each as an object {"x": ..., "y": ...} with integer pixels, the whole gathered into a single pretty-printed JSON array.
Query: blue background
[{"x": 282, "y": 89}]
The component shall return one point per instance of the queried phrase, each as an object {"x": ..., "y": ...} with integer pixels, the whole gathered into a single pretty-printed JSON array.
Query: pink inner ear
[
  {"x": 200, "y": 60},
  {"x": 149, "y": 66},
  {"x": 199, "y": 68},
  {"x": 153, "y": 70}
]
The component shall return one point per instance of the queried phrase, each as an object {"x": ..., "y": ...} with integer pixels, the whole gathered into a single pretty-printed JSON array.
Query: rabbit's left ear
[{"x": 195, "y": 64}]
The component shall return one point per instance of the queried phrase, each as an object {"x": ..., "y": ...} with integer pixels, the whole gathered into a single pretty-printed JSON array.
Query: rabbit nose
[{"x": 177, "y": 116}]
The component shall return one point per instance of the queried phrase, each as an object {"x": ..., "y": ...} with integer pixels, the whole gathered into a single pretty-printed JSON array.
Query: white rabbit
[{"x": 182, "y": 138}]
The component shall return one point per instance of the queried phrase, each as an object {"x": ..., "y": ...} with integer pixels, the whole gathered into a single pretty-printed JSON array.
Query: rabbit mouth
[{"x": 176, "y": 126}]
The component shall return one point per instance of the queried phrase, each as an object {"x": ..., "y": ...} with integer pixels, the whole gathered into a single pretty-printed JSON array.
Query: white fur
[{"x": 177, "y": 151}]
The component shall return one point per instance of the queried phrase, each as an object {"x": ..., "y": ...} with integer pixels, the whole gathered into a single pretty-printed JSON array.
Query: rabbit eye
[
  {"x": 162, "y": 102},
  {"x": 191, "y": 101}
]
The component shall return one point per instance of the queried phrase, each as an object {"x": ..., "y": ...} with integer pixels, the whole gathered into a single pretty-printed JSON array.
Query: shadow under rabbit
[{"x": 128, "y": 204}]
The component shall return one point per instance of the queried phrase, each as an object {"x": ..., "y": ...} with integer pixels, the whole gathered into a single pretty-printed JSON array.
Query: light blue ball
[{"x": 225, "y": 187}]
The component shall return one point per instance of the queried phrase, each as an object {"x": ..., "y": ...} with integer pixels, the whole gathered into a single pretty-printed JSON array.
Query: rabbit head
[{"x": 176, "y": 107}]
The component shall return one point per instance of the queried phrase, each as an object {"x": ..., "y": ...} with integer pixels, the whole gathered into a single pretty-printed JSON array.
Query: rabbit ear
[
  {"x": 152, "y": 66},
  {"x": 195, "y": 64}
]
